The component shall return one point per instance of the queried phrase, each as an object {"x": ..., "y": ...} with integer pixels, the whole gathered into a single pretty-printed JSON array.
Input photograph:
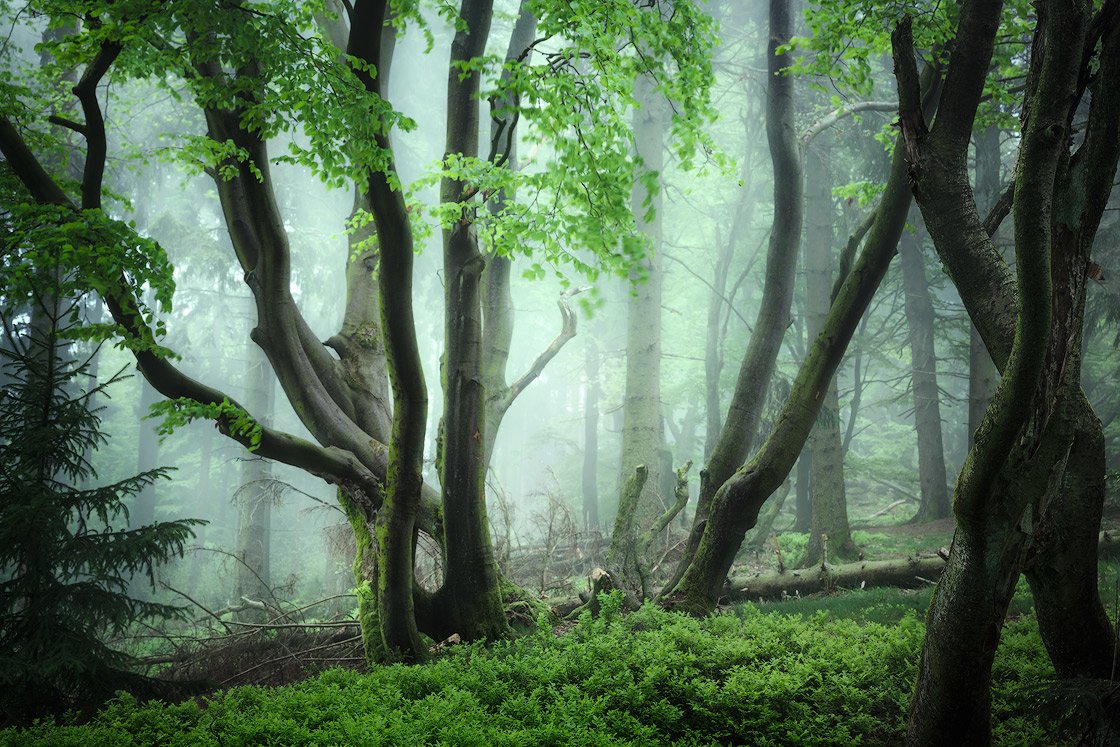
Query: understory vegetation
[{"x": 826, "y": 671}]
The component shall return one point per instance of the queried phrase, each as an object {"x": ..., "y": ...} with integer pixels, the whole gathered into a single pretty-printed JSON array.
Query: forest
[{"x": 549, "y": 372}]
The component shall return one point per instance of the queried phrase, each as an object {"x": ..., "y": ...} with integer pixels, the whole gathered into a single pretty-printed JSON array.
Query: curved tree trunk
[
  {"x": 735, "y": 507},
  {"x": 739, "y": 428},
  {"x": 1024, "y": 441}
]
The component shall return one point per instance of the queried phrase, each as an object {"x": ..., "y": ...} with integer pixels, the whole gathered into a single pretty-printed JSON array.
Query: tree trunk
[
  {"x": 828, "y": 502},
  {"x": 391, "y": 547},
  {"x": 1061, "y": 566},
  {"x": 497, "y": 305},
  {"x": 982, "y": 373},
  {"x": 923, "y": 376},
  {"x": 739, "y": 428},
  {"x": 903, "y": 573},
  {"x": 591, "y": 439},
  {"x": 643, "y": 436},
  {"x": 1021, "y": 447},
  {"x": 470, "y": 597},
  {"x": 254, "y": 497},
  {"x": 734, "y": 509}
]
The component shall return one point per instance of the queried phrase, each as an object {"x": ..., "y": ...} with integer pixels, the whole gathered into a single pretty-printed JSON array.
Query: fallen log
[{"x": 906, "y": 573}]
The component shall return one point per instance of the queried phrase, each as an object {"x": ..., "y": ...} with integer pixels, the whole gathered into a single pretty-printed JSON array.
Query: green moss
[{"x": 363, "y": 568}]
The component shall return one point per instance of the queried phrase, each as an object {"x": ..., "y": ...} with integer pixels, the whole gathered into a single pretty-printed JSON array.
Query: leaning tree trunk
[
  {"x": 923, "y": 376},
  {"x": 828, "y": 523},
  {"x": 735, "y": 507},
  {"x": 739, "y": 428}
]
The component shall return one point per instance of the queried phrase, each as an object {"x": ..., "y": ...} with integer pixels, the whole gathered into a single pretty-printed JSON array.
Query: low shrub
[{"x": 651, "y": 677}]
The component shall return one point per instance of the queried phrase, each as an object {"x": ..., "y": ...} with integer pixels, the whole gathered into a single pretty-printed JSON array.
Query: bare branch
[
  {"x": 567, "y": 332},
  {"x": 836, "y": 115}
]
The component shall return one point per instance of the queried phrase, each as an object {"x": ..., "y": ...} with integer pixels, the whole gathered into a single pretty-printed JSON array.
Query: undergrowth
[{"x": 652, "y": 677}]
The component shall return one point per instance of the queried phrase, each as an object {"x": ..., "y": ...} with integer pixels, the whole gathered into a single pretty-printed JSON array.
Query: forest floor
[{"x": 835, "y": 670}]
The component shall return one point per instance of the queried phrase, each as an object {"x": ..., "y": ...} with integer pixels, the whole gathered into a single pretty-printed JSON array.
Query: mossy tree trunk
[
  {"x": 395, "y": 522},
  {"x": 1023, "y": 445},
  {"x": 735, "y": 505},
  {"x": 471, "y": 596},
  {"x": 736, "y": 437},
  {"x": 982, "y": 373}
]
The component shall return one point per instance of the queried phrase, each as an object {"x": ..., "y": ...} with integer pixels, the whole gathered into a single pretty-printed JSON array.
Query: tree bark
[
  {"x": 982, "y": 373},
  {"x": 903, "y": 573},
  {"x": 923, "y": 377},
  {"x": 734, "y": 509},
  {"x": 394, "y": 526}
]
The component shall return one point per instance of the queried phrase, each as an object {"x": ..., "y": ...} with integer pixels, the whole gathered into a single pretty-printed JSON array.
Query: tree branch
[
  {"x": 567, "y": 332},
  {"x": 836, "y": 115},
  {"x": 93, "y": 174},
  {"x": 332, "y": 464}
]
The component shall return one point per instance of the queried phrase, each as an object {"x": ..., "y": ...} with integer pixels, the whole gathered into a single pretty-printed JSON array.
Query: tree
[
  {"x": 828, "y": 525},
  {"x": 1032, "y": 330},
  {"x": 68, "y": 551},
  {"x": 718, "y": 532},
  {"x": 923, "y": 365},
  {"x": 745, "y": 411},
  {"x": 253, "y": 73}
]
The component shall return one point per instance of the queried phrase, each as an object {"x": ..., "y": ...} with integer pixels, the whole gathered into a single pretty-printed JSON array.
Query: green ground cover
[{"x": 833, "y": 671}]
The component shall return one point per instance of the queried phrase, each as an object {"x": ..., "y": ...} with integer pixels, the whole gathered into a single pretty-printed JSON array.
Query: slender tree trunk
[
  {"x": 643, "y": 436},
  {"x": 254, "y": 497},
  {"x": 828, "y": 503},
  {"x": 735, "y": 507},
  {"x": 393, "y": 537},
  {"x": 923, "y": 377},
  {"x": 739, "y": 429},
  {"x": 591, "y": 438}
]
